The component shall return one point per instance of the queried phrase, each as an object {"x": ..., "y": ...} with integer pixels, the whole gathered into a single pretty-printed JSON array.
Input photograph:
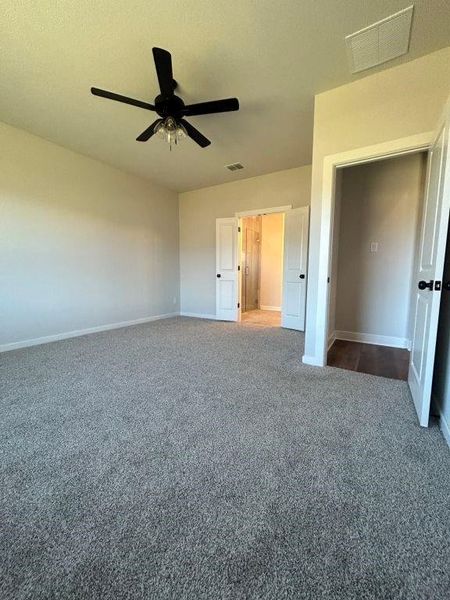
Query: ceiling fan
[{"x": 172, "y": 126}]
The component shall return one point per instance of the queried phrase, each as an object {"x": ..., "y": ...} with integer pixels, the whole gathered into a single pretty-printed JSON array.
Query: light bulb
[{"x": 170, "y": 131}]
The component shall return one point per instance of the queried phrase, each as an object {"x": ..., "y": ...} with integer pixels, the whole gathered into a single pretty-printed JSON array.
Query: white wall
[
  {"x": 272, "y": 227},
  {"x": 198, "y": 212},
  {"x": 402, "y": 101},
  {"x": 380, "y": 202},
  {"x": 81, "y": 243}
]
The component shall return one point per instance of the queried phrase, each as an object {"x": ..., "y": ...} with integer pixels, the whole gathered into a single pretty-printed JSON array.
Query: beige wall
[
  {"x": 395, "y": 103},
  {"x": 271, "y": 260},
  {"x": 81, "y": 243},
  {"x": 380, "y": 202},
  {"x": 199, "y": 210}
]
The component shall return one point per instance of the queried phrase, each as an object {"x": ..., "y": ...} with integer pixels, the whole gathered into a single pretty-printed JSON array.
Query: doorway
[
  {"x": 258, "y": 295},
  {"x": 431, "y": 251},
  {"x": 378, "y": 208},
  {"x": 262, "y": 269}
]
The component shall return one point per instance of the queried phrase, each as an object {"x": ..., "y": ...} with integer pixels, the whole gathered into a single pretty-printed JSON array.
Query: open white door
[
  {"x": 227, "y": 269},
  {"x": 427, "y": 281},
  {"x": 296, "y": 228}
]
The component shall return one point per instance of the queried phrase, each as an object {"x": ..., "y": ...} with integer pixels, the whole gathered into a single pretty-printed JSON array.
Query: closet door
[
  {"x": 296, "y": 228},
  {"x": 427, "y": 282},
  {"x": 227, "y": 269}
]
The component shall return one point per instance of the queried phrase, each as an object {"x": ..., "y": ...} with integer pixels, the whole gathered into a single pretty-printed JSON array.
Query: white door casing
[
  {"x": 295, "y": 263},
  {"x": 430, "y": 269},
  {"x": 227, "y": 269},
  {"x": 316, "y": 341}
]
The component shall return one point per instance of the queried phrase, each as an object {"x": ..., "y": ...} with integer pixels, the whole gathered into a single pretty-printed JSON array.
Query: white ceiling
[{"x": 274, "y": 55}]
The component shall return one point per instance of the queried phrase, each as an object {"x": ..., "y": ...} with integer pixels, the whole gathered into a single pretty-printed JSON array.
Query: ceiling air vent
[
  {"x": 234, "y": 167},
  {"x": 380, "y": 42}
]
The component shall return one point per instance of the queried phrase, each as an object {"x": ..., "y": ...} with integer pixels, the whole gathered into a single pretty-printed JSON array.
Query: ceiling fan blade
[
  {"x": 119, "y": 98},
  {"x": 195, "y": 134},
  {"x": 163, "y": 64},
  {"x": 147, "y": 134},
  {"x": 214, "y": 106}
]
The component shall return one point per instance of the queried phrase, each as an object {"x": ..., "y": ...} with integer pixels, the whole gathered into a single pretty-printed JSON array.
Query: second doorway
[{"x": 262, "y": 269}]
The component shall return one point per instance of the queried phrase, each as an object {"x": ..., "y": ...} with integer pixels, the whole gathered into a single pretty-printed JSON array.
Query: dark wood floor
[{"x": 367, "y": 358}]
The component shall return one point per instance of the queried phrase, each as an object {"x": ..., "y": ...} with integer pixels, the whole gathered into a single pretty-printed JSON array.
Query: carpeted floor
[{"x": 188, "y": 459}]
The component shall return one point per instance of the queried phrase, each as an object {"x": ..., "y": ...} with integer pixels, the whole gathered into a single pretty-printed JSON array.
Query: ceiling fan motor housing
[{"x": 172, "y": 106}]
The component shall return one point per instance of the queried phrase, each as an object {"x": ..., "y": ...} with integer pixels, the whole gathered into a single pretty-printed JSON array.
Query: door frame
[
  {"x": 255, "y": 212},
  {"x": 400, "y": 147},
  {"x": 263, "y": 211}
]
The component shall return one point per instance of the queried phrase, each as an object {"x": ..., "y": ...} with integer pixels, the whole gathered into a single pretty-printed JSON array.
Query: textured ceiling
[{"x": 274, "y": 55}]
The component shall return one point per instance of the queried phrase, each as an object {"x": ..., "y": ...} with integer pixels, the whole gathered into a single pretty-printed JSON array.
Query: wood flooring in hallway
[{"x": 369, "y": 358}]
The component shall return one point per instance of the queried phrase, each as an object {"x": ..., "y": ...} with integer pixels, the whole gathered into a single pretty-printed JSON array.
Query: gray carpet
[{"x": 194, "y": 459}]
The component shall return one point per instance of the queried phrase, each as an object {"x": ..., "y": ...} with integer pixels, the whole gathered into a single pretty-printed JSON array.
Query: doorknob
[
  {"x": 218, "y": 275},
  {"x": 302, "y": 276},
  {"x": 423, "y": 285},
  {"x": 447, "y": 286}
]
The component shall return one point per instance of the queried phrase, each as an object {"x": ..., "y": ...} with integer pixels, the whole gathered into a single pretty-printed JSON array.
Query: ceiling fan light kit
[
  {"x": 171, "y": 126},
  {"x": 170, "y": 131}
]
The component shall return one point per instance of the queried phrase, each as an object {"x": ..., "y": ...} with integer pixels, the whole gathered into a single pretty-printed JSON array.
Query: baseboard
[
  {"x": 198, "y": 315},
  {"x": 331, "y": 339},
  {"x": 314, "y": 361},
  {"x": 275, "y": 308},
  {"x": 371, "y": 338},
  {"x": 445, "y": 428},
  {"x": 77, "y": 333}
]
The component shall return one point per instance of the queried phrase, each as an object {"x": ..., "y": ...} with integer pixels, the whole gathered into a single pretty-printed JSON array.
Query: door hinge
[
  {"x": 239, "y": 230},
  {"x": 239, "y": 267},
  {"x": 239, "y": 305}
]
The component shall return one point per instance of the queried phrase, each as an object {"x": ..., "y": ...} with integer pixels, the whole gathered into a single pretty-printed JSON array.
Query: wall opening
[
  {"x": 378, "y": 206},
  {"x": 262, "y": 269}
]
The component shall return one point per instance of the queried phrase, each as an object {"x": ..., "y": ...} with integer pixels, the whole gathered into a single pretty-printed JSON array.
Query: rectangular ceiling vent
[
  {"x": 385, "y": 40},
  {"x": 234, "y": 167}
]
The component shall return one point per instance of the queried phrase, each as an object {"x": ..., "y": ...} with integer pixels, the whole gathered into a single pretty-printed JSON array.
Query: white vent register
[{"x": 385, "y": 40}]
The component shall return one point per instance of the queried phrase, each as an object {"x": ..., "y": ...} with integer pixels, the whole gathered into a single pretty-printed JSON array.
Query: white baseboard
[
  {"x": 312, "y": 360},
  {"x": 371, "y": 338},
  {"x": 264, "y": 307},
  {"x": 331, "y": 339},
  {"x": 444, "y": 425},
  {"x": 71, "y": 334},
  {"x": 198, "y": 315},
  {"x": 445, "y": 428}
]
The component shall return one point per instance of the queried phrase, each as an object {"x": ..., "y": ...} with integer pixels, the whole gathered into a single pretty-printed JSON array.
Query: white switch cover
[{"x": 374, "y": 246}]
